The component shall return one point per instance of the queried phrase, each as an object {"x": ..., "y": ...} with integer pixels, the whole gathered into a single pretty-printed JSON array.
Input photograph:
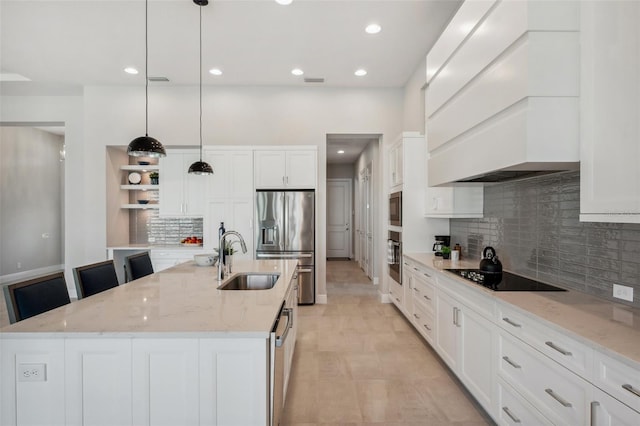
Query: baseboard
[
  {"x": 376, "y": 280},
  {"x": 321, "y": 299},
  {"x": 32, "y": 273}
]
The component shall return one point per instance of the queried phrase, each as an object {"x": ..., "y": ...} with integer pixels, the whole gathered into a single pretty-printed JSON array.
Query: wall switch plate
[
  {"x": 623, "y": 292},
  {"x": 32, "y": 372}
]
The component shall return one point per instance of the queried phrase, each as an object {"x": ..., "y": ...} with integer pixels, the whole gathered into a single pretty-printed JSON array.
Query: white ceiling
[{"x": 72, "y": 43}]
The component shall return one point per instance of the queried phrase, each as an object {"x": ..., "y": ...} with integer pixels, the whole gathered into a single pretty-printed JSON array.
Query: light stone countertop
[
  {"x": 613, "y": 328},
  {"x": 183, "y": 300}
]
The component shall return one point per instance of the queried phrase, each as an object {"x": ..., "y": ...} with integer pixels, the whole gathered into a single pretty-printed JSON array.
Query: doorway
[{"x": 339, "y": 218}]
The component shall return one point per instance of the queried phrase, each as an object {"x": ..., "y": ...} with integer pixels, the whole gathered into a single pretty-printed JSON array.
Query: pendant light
[
  {"x": 201, "y": 167},
  {"x": 146, "y": 146}
]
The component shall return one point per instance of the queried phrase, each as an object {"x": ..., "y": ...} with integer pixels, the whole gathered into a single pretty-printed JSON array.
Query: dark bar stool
[
  {"x": 137, "y": 266},
  {"x": 95, "y": 278},
  {"x": 32, "y": 297}
]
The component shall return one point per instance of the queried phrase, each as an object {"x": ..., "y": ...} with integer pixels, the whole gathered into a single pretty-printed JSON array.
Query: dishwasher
[{"x": 277, "y": 340}]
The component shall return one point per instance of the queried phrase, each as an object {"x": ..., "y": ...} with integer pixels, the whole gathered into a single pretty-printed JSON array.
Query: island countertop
[{"x": 182, "y": 299}]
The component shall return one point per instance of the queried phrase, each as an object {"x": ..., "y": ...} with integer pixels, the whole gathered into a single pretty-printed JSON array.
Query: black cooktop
[{"x": 504, "y": 281}]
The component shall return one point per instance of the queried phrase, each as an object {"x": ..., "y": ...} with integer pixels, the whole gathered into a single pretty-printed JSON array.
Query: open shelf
[
  {"x": 139, "y": 168},
  {"x": 141, "y": 206},
  {"x": 140, "y": 187}
]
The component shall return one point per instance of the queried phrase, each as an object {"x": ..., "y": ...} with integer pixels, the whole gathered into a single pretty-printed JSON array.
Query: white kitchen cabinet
[
  {"x": 296, "y": 169},
  {"x": 610, "y": 111},
  {"x": 237, "y": 215},
  {"x": 420, "y": 299},
  {"x": 456, "y": 201},
  {"x": 233, "y": 173},
  {"x": 396, "y": 163},
  {"x": 466, "y": 340},
  {"x": 396, "y": 293},
  {"x": 608, "y": 411},
  {"x": 165, "y": 381},
  {"x": 181, "y": 194},
  {"x": 98, "y": 382},
  {"x": 290, "y": 343},
  {"x": 514, "y": 410},
  {"x": 617, "y": 379}
]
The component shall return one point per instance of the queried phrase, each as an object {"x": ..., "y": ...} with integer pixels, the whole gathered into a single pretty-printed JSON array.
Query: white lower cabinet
[
  {"x": 465, "y": 341},
  {"x": 514, "y": 410},
  {"x": 608, "y": 411},
  {"x": 396, "y": 293}
]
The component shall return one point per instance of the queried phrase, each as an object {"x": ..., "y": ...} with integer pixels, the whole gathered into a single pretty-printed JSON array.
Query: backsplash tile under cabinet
[
  {"x": 147, "y": 227},
  {"x": 534, "y": 226}
]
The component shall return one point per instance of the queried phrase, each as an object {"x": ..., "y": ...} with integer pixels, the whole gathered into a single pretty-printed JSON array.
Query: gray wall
[
  {"x": 31, "y": 200},
  {"x": 340, "y": 171},
  {"x": 534, "y": 227}
]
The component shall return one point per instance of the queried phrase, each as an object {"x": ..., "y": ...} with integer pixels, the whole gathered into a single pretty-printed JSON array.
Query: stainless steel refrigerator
[{"x": 285, "y": 229}]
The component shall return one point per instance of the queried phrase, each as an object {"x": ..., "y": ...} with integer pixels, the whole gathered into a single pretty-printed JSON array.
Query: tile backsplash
[
  {"x": 533, "y": 225},
  {"x": 147, "y": 227}
]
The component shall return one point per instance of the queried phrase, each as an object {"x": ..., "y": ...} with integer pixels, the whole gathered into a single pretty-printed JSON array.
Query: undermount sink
[{"x": 251, "y": 282}]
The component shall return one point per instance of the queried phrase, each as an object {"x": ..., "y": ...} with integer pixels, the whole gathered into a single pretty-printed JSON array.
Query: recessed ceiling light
[
  {"x": 215, "y": 71},
  {"x": 341, "y": 151},
  {"x": 284, "y": 2},
  {"x": 373, "y": 28},
  {"x": 360, "y": 72},
  {"x": 297, "y": 71},
  {"x": 131, "y": 70}
]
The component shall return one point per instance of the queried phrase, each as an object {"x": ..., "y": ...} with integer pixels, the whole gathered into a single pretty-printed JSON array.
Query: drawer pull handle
[
  {"x": 508, "y": 321},
  {"x": 426, "y": 326},
  {"x": 427, "y": 297},
  {"x": 426, "y": 275},
  {"x": 510, "y": 414},
  {"x": 415, "y": 269},
  {"x": 631, "y": 389},
  {"x": 415, "y": 289},
  {"x": 594, "y": 414},
  {"x": 511, "y": 363},
  {"x": 416, "y": 316},
  {"x": 558, "y": 398},
  {"x": 398, "y": 300},
  {"x": 557, "y": 348}
]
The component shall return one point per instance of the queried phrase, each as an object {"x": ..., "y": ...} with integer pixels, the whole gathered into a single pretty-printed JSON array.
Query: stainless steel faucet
[{"x": 221, "y": 251}]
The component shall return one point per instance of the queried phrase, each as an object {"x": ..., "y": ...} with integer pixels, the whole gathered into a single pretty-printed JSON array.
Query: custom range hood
[{"x": 534, "y": 170}]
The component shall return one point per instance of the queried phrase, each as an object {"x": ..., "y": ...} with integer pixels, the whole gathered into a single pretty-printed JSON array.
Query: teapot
[{"x": 490, "y": 261}]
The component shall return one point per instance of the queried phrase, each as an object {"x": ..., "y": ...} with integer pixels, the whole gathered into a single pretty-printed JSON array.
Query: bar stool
[
  {"x": 137, "y": 266},
  {"x": 95, "y": 278},
  {"x": 35, "y": 296}
]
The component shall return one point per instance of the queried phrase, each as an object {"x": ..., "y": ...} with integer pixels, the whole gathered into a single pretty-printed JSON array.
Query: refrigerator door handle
[{"x": 300, "y": 270}]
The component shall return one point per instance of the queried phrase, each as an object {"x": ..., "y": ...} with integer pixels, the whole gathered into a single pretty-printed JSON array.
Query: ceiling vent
[
  {"x": 158, "y": 79},
  {"x": 313, "y": 80}
]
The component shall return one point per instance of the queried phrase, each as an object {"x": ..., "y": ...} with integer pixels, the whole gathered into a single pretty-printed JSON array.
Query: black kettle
[{"x": 490, "y": 261}]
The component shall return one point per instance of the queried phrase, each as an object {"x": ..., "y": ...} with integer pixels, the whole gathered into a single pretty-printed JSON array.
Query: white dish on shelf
[{"x": 135, "y": 178}]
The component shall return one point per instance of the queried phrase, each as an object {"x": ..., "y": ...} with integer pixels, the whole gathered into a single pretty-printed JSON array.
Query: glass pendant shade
[
  {"x": 146, "y": 146},
  {"x": 201, "y": 168}
]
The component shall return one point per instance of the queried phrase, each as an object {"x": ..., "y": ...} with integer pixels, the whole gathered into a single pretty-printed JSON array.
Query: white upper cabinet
[
  {"x": 456, "y": 201},
  {"x": 504, "y": 96},
  {"x": 232, "y": 173},
  {"x": 396, "y": 170},
  {"x": 610, "y": 112},
  {"x": 181, "y": 193},
  {"x": 294, "y": 169}
]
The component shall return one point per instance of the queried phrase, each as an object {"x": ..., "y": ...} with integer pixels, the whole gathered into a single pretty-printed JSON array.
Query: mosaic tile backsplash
[
  {"x": 534, "y": 227},
  {"x": 145, "y": 226}
]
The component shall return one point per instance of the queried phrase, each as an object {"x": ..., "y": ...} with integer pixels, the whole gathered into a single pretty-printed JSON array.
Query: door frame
[{"x": 349, "y": 182}]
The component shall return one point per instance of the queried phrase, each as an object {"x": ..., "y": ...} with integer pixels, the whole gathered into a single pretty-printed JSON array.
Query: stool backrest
[
  {"x": 137, "y": 266},
  {"x": 32, "y": 297},
  {"x": 95, "y": 278}
]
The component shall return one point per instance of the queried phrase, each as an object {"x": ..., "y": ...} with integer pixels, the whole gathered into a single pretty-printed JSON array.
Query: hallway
[{"x": 359, "y": 362}]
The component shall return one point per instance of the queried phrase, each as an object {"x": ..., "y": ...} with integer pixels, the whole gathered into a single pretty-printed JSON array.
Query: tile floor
[{"x": 359, "y": 362}]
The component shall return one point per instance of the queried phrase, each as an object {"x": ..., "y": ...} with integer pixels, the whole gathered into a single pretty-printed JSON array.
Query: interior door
[
  {"x": 368, "y": 193},
  {"x": 339, "y": 218}
]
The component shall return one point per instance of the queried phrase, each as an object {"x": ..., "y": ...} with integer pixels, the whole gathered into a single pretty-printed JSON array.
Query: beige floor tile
[{"x": 360, "y": 362}]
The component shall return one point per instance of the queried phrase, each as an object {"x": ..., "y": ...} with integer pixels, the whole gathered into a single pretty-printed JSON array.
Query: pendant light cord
[
  {"x": 146, "y": 68},
  {"x": 200, "y": 83}
]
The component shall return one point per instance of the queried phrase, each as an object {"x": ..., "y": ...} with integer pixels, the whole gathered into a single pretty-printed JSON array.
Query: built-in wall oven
[
  {"x": 395, "y": 208},
  {"x": 394, "y": 256}
]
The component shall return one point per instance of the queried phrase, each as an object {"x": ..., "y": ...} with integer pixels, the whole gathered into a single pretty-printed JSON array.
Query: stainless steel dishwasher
[{"x": 277, "y": 340}]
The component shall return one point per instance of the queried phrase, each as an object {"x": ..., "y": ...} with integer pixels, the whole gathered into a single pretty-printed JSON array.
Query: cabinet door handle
[
  {"x": 456, "y": 311},
  {"x": 415, "y": 269},
  {"x": 416, "y": 290},
  {"x": 557, "y": 348},
  {"x": 510, "y": 414},
  {"x": 631, "y": 389},
  {"x": 594, "y": 414},
  {"x": 426, "y": 275},
  {"x": 283, "y": 180},
  {"x": 508, "y": 321},
  {"x": 416, "y": 316},
  {"x": 558, "y": 398},
  {"x": 454, "y": 316},
  {"x": 398, "y": 300},
  {"x": 426, "y": 326},
  {"x": 426, "y": 297},
  {"x": 511, "y": 363}
]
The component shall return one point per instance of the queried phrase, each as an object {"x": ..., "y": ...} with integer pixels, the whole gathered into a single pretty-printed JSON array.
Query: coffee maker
[{"x": 441, "y": 241}]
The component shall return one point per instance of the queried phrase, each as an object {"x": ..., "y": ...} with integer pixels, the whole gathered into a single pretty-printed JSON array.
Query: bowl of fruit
[{"x": 191, "y": 241}]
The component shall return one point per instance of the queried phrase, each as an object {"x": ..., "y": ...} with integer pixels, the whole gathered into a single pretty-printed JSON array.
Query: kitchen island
[{"x": 170, "y": 348}]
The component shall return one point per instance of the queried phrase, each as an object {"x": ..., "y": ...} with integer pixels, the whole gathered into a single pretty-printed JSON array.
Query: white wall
[
  {"x": 413, "y": 115},
  {"x": 340, "y": 171},
  {"x": 232, "y": 116}
]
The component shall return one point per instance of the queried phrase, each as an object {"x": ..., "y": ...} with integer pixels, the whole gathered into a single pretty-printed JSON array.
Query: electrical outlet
[
  {"x": 45, "y": 235},
  {"x": 623, "y": 292},
  {"x": 32, "y": 372}
]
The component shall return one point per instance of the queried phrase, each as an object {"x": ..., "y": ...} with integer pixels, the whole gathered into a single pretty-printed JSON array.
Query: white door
[
  {"x": 368, "y": 190},
  {"x": 338, "y": 217}
]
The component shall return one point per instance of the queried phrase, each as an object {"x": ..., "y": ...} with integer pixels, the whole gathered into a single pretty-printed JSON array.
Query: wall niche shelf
[
  {"x": 141, "y": 206},
  {"x": 140, "y": 168},
  {"x": 140, "y": 187}
]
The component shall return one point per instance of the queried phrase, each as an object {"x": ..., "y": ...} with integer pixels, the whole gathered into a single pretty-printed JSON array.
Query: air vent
[
  {"x": 313, "y": 80},
  {"x": 158, "y": 79}
]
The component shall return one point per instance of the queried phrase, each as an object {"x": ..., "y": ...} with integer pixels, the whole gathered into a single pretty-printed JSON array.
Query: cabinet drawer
[
  {"x": 423, "y": 293},
  {"x": 423, "y": 321},
  {"x": 396, "y": 294},
  {"x": 559, "y": 394},
  {"x": 619, "y": 380},
  {"x": 568, "y": 352},
  {"x": 515, "y": 410}
]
